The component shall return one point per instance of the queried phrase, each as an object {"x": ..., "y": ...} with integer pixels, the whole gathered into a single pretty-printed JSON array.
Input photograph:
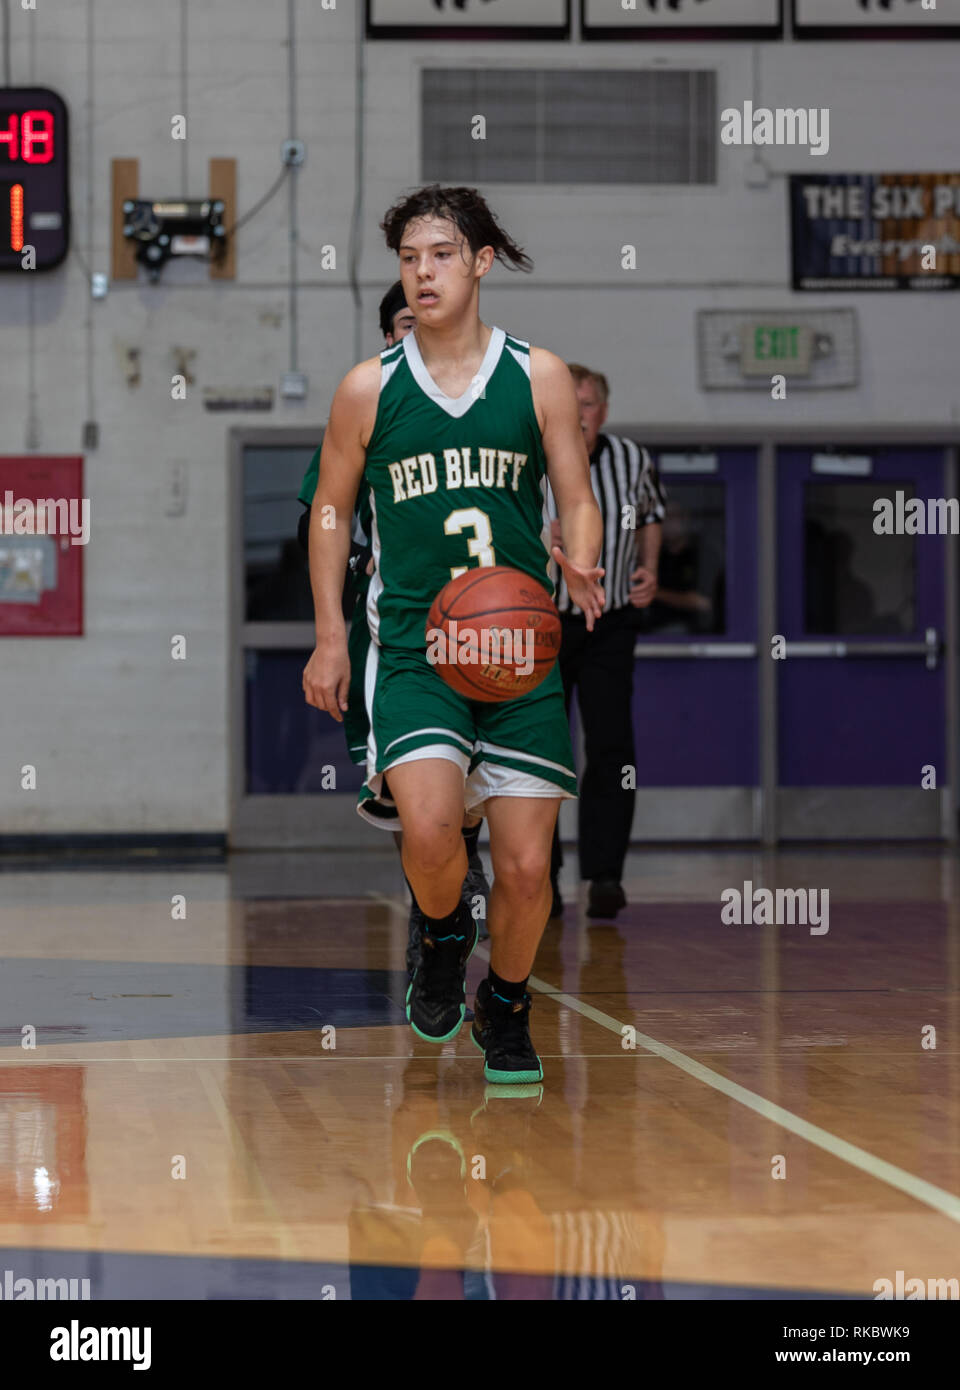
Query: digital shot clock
[{"x": 34, "y": 177}]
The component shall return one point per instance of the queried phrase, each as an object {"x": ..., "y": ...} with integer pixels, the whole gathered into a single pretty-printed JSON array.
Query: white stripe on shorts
[
  {"x": 415, "y": 733},
  {"x": 522, "y": 757}
]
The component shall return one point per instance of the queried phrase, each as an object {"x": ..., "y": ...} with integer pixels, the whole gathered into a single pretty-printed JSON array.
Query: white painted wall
[
  {"x": 701, "y": 248},
  {"x": 124, "y": 739}
]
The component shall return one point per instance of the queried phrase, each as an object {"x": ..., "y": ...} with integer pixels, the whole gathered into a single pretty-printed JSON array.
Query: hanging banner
[
  {"x": 875, "y": 231},
  {"x": 468, "y": 19},
  {"x": 864, "y": 19},
  {"x": 681, "y": 19},
  {"x": 44, "y": 529}
]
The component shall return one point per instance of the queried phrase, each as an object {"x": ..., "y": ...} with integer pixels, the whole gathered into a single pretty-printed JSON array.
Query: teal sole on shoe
[
  {"x": 508, "y": 1078},
  {"x": 427, "y": 1037},
  {"x": 514, "y": 1078}
]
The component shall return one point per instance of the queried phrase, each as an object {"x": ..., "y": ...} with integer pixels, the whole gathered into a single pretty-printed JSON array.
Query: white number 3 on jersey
[{"x": 479, "y": 545}]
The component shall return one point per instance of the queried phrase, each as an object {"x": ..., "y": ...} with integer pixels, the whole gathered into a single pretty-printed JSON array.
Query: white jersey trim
[
  {"x": 456, "y": 409},
  {"x": 389, "y": 365},
  {"x": 522, "y": 357},
  {"x": 376, "y": 583}
]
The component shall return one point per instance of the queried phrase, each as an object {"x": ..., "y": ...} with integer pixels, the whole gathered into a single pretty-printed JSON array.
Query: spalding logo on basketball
[{"x": 493, "y": 633}]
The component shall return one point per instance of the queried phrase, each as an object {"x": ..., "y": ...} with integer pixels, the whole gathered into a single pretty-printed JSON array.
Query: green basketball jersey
[
  {"x": 453, "y": 484},
  {"x": 309, "y": 486}
]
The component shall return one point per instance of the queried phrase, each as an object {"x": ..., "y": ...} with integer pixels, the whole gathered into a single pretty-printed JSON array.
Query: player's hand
[
  {"x": 643, "y": 587},
  {"x": 583, "y": 586},
  {"x": 326, "y": 677}
]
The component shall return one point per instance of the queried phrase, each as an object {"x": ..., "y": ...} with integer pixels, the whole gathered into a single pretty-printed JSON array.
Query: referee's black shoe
[{"x": 606, "y": 898}]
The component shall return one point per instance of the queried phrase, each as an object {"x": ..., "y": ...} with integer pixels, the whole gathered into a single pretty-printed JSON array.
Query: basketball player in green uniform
[
  {"x": 449, "y": 433},
  {"x": 396, "y": 321}
]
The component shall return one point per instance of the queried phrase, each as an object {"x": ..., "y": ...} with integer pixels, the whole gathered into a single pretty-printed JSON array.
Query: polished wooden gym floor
[{"x": 228, "y": 1103}]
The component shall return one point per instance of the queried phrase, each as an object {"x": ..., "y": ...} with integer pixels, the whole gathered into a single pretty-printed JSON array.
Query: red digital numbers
[
  {"x": 16, "y": 217},
  {"x": 28, "y": 136},
  {"x": 11, "y": 137}
]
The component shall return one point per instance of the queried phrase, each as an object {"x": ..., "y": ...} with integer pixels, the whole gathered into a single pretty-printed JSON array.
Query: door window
[
  {"x": 275, "y": 566},
  {"x": 857, "y": 583},
  {"x": 691, "y": 597}
]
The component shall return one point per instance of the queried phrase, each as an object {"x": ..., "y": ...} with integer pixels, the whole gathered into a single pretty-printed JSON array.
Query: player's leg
[
  {"x": 475, "y": 890},
  {"x": 521, "y": 831},
  {"x": 429, "y": 795},
  {"x": 521, "y": 769},
  {"x": 521, "y": 834},
  {"x": 356, "y": 727},
  {"x": 422, "y": 737}
]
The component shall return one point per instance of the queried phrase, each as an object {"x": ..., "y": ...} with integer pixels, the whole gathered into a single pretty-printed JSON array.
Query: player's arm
[
  {"x": 326, "y": 677},
  {"x": 568, "y": 471}
]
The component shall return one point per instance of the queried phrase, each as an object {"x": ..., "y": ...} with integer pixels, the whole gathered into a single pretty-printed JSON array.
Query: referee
[{"x": 599, "y": 664}]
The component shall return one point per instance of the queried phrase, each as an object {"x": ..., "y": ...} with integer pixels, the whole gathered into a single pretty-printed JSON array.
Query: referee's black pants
[{"x": 599, "y": 665}]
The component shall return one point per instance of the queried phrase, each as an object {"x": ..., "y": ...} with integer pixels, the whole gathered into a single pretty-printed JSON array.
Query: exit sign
[{"x": 775, "y": 346}]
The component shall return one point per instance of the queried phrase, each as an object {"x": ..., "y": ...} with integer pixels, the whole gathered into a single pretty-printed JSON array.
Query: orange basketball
[{"x": 493, "y": 633}]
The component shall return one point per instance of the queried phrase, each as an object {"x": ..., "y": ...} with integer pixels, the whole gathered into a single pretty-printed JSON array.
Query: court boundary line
[
  {"x": 927, "y": 1193},
  {"x": 946, "y": 1203}
]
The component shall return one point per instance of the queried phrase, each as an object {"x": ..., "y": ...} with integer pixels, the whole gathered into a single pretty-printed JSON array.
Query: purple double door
[
  {"x": 862, "y": 605},
  {"x": 848, "y": 739}
]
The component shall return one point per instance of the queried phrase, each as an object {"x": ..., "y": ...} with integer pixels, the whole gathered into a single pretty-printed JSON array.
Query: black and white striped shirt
[{"x": 630, "y": 494}]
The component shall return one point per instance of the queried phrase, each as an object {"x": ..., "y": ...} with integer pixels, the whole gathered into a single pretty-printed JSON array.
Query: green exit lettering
[{"x": 775, "y": 344}]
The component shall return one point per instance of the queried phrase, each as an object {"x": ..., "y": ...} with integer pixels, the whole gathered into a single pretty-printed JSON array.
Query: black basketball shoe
[
  {"x": 436, "y": 997},
  {"x": 501, "y": 1030}
]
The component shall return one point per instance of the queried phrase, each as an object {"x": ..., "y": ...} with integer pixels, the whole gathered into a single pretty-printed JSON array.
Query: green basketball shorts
[{"x": 516, "y": 747}]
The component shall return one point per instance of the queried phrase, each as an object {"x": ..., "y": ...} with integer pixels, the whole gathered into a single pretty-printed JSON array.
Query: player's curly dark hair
[{"x": 467, "y": 209}]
